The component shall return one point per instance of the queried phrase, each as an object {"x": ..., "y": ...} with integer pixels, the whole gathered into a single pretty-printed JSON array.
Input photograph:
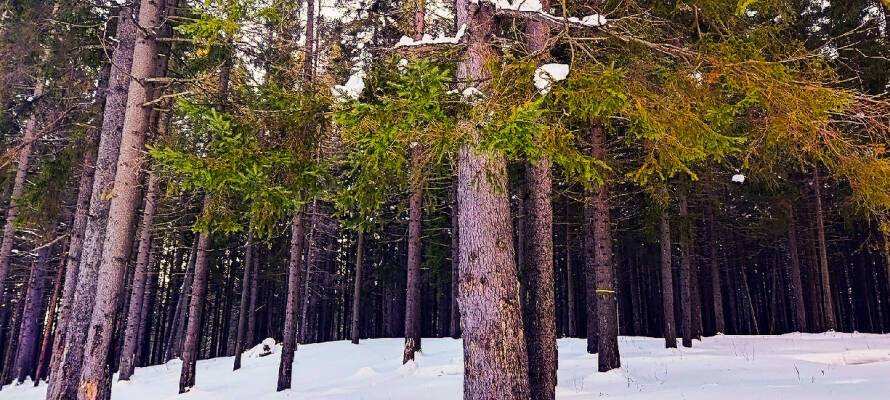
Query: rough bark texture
[
  {"x": 540, "y": 307},
  {"x": 495, "y": 357},
  {"x": 606, "y": 290},
  {"x": 29, "y": 330},
  {"x": 122, "y": 210},
  {"x": 669, "y": 329},
  {"x": 415, "y": 231},
  {"x": 23, "y": 163},
  {"x": 83, "y": 258},
  {"x": 241, "y": 338},
  {"x": 294, "y": 282},
  {"x": 795, "y": 285},
  {"x": 357, "y": 291},
  {"x": 685, "y": 271},
  {"x": 134, "y": 313},
  {"x": 590, "y": 276},
  {"x": 190, "y": 346},
  {"x": 828, "y": 316}
]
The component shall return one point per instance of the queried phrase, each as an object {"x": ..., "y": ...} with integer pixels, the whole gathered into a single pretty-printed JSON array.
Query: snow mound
[
  {"x": 353, "y": 88},
  {"x": 830, "y": 366},
  {"x": 265, "y": 348},
  {"x": 739, "y": 178},
  {"x": 546, "y": 74}
]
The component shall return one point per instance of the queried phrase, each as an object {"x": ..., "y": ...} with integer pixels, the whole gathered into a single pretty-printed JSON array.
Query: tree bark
[
  {"x": 570, "y": 277},
  {"x": 190, "y": 347},
  {"x": 606, "y": 294},
  {"x": 415, "y": 232},
  {"x": 716, "y": 289},
  {"x": 48, "y": 322},
  {"x": 357, "y": 291},
  {"x": 29, "y": 331},
  {"x": 174, "y": 338},
  {"x": 84, "y": 252},
  {"x": 454, "y": 327},
  {"x": 829, "y": 320},
  {"x": 294, "y": 282},
  {"x": 134, "y": 314},
  {"x": 590, "y": 275},
  {"x": 667, "y": 282},
  {"x": 23, "y": 163},
  {"x": 241, "y": 338}
]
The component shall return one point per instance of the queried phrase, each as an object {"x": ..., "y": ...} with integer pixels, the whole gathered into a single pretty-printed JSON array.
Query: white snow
[
  {"x": 353, "y": 87},
  {"x": 739, "y": 178},
  {"x": 593, "y": 20},
  {"x": 546, "y": 74},
  {"x": 831, "y": 366},
  {"x": 471, "y": 95},
  {"x": 427, "y": 39}
]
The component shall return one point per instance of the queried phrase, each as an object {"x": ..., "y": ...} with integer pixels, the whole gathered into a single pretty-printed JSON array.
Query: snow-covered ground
[{"x": 832, "y": 366}]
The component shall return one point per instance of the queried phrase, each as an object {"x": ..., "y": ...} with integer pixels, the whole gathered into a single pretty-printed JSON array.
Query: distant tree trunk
[
  {"x": 122, "y": 210},
  {"x": 84, "y": 253},
  {"x": 191, "y": 345},
  {"x": 145, "y": 314},
  {"x": 667, "y": 282},
  {"x": 495, "y": 360},
  {"x": 716, "y": 289},
  {"x": 140, "y": 276},
  {"x": 799, "y": 316},
  {"x": 590, "y": 275},
  {"x": 540, "y": 307},
  {"x": 48, "y": 322},
  {"x": 357, "y": 292},
  {"x": 570, "y": 277},
  {"x": 454, "y": 327},
  {"x": 685, "y": 270},
  {"x": 415, "y": 233},
  {"x": 291, "y": 314},
  {"x": 606, "y": 296},
  {"x": 29, "y": 331},
  {"x": 241, "y": 338},
  {"x": 23, "y": 163},
  {"x": 174, "y": 338},
  {"x": 827, "y": 297}
]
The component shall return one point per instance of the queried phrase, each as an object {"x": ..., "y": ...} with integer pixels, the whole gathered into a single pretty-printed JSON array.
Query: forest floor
[{"x": 833, "y": 366}]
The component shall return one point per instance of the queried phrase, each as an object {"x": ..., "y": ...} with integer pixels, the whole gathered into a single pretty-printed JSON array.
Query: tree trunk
[
  {"x": 590, "y": 275},
  {"x": 716, "y": 290},
  {"x": 29, "y": 330},
  {"x": 84, "y": 252},
  {"x": 289, "y": 345},
  {"x": 827, "y": 297},
  {"x": 606, "y": 296},
  {"x": 415, "y": 232},
  {"x": 454, "y": 327},
  {"x": 357, "y": 291},
  {"x": 18, "y": 186},
  {"x": 122, "y": 210},
  {"x": 570, "y": 277},
  {"x": 667, "y": 282},
  {"x": 241, "y": 338},
  {"x": 685, "y": 270},
  {"x": 174, "y": 338},
  {"x": 799, "y": 316},
  {"x": 191, "y": 345},
  {"x": 134, "y": 314},
  {"x": 48, "y": 322}
]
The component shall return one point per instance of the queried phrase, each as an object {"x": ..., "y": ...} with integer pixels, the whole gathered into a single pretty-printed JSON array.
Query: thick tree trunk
[
  {"x": 799, "y": 316},
  {"x": 540, "y": 307},
  {"x": 827, "y": 297},
  {"x": 84, "y": 252},
  {"x": 122, "y": 210},
  {"x": 606, "y": 290},
  {"x": 716, "y": 289},
  {"x": 134, "y": 314},
  {"x": 191, "y": 345},
  {"x": 23, "y": 163},
  {"x": 415, "y": 233},
  {"x": 241, "y": 338},
  {"x": 294, "y": 282},
  {"x": 357, "y": 291},
  {"x": 29, "y": 330},
  {"x": 685, "y": 270},
  {"x": 495, "y": 357},
  {"x": 669, "y": 329}
]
